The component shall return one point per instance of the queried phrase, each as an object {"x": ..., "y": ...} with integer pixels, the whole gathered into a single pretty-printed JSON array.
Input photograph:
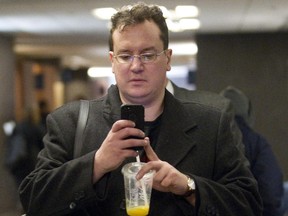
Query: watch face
[
  {"x": 191, "y": 184},
  {"x": 191, "y": 187}
]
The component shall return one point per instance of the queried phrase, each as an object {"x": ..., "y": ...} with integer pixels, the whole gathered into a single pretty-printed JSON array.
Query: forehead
[{"x": 141, "y": 34}]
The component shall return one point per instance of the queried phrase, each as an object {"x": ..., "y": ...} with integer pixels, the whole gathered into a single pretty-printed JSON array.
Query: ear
[
  {"x": 168, "y": 55},
  {"x": 111, "y": 57}
]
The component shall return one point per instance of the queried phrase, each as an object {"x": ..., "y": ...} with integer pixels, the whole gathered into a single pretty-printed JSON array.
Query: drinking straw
[{"x": 142, "y": 184}]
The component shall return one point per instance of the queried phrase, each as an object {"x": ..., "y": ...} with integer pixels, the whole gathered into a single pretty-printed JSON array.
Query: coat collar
[
  {"x": 176, "y": 124},
  {"x": 112, "y": 104}
]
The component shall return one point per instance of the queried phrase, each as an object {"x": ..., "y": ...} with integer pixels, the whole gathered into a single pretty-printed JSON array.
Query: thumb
[{"x": 151, "y": 155}]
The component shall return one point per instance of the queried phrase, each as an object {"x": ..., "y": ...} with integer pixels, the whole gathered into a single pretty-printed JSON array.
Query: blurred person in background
[
  {"x": 264, "y": 164},
  {"x": 44, "y": 111},
  {"x": 24, "y": 144}
]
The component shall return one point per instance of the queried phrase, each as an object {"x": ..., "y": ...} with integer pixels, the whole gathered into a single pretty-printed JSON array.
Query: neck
[
  {"x": 153, "y": 108},
  {"x": 153, "y": 111}
]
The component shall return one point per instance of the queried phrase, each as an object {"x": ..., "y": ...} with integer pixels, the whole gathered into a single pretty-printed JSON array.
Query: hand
[
  {"x": 167, "y": 178},
  {"x": 114, "y": 149}
]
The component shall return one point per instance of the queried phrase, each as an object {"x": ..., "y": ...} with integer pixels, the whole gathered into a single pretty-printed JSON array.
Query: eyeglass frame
[{"x": 140, "y": 57}]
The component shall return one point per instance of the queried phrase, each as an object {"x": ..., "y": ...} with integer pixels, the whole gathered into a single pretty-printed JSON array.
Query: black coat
[{"x": 195, "y": 138}]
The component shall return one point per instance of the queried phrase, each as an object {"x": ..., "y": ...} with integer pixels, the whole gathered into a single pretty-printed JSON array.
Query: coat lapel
[{"x": 175, "y": 133}]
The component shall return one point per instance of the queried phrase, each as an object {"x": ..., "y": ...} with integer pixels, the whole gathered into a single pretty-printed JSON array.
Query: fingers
[
  {"x": 122, "y": 137},
  {"x": 118, "y": 125},
  {"x": 151, "y": 155},
  {"x": 133, "y": 143},
  {"x": 161, "y": 180},
  {"x": 166, "y": 178},
  {"x": 151, "y": 165},
  {"x": 116, "y": 147},
  {"x": 125, "y": 129}
]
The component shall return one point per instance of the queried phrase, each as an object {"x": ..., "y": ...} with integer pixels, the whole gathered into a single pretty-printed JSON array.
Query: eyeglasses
[{"x": 144, "y": 58}]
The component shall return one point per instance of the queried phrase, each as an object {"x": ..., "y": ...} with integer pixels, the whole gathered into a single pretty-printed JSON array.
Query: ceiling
[{"x": 67, "y": 29}]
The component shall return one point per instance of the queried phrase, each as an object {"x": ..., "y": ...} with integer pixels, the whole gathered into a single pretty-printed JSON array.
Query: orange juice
[{"x": 138, "y": 211}]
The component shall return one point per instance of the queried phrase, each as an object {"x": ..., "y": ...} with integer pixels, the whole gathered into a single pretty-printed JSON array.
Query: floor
[{"x": 13, "y": 212}]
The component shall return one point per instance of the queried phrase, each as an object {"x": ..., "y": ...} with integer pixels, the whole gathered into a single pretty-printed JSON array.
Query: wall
[
  {"x": 8, "y": 195},
  {"x": 258, "y": 65},
  {"x": 35, "y": 81}
]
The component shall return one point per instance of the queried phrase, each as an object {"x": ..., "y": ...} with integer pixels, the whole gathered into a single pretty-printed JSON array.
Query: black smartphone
[{"x": 134, "y": 113}]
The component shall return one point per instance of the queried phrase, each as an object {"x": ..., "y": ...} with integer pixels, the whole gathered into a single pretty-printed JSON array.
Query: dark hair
[{"x": 138, "y": 13}]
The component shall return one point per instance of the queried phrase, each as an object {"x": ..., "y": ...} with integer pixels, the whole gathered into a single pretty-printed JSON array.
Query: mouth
[{"x": 137, "y": 80}]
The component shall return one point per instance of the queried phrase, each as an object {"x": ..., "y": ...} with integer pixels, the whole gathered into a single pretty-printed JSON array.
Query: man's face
[{"x": 138, "y": 82}]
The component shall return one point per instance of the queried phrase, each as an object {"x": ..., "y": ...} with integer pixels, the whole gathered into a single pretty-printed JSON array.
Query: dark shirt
[{"x": 151, "y": 131}]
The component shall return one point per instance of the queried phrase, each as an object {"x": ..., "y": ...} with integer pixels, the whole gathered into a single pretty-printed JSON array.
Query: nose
[
  {"x": 136, "y": 64},
  {"x": 136, "y": 58}
]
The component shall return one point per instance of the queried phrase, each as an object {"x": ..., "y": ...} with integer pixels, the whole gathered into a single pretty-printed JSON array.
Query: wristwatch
[{"x": 191, "y": 187}]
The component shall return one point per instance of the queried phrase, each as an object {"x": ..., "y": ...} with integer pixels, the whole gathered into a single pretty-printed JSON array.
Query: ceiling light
[
  {"x": 97, "y": 72},
  {"x": 173, "y": 26},
  {"x": 104, "y": 13},
  {"x": 182, "y": 25},
  {"x": 186, "y": 11},
  {"x": 189, "y": 24},
  {"x": 184, "y": 48}
]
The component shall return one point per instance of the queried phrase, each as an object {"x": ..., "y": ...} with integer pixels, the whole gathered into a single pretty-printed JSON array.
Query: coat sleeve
[
  {"x": 232, "y": 189},
  {"x": 57, "y": 173}
]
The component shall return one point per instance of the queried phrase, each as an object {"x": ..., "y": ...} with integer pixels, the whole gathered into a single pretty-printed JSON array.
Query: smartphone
[{"x": 134, "y": 113}]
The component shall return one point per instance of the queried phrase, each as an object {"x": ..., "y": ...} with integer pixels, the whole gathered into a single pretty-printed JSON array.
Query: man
[{"x": 198, "y": 168}]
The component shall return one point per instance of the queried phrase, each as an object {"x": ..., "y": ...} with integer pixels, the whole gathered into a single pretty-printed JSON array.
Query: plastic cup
[{"x": 137, "y": 193}]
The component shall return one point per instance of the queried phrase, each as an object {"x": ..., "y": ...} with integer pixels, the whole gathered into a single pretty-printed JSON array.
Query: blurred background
[{"x": 53, "y": 52}]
